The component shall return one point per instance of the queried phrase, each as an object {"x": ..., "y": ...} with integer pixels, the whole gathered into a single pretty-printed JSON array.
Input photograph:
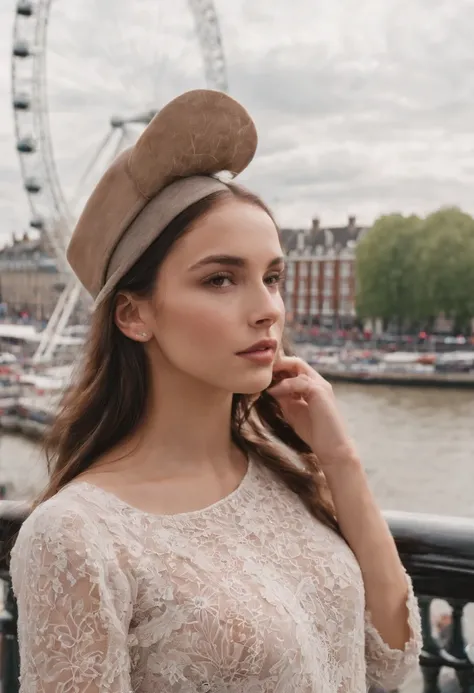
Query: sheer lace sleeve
[
  {"x": 74, "y": 605},
  {"x": 386, "y": 667}
]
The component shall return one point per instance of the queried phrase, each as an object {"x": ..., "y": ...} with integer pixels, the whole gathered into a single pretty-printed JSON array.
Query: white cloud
[{"x": 363, "y": 106}]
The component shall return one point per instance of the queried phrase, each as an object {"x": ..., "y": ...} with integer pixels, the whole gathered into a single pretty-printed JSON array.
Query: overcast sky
[{"x": 363, "y": 106}]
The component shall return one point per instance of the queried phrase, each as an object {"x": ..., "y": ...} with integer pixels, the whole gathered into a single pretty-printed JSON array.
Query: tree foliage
[
  {"x": 446, "y": 265},
  {"x": 410, "y": 269},
  {"x": 385, "y": 265}
]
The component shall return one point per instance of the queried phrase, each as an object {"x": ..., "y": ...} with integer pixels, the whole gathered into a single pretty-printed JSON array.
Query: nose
[{"x": 266, "y": 307}]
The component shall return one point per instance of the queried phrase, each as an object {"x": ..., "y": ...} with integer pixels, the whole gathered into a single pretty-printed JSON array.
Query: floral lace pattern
[{"x": 250, "y": 595}]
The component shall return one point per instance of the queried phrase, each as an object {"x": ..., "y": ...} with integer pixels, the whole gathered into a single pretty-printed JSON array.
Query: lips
[{"x": 262, "y": 345}]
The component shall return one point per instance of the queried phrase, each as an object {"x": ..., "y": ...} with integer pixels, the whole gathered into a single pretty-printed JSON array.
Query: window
[
  {"x": 329, "y": 269},
  {"x": 312, "y": 284},
  {"x": 345, "y": 307},
  {"x": 344, "y": 288},
  {"x": 327, "y": 307},
  {"x": 345, "y": 269},
  {"x": 303, "y": 269},
  {"x": 289, "y": 285}
]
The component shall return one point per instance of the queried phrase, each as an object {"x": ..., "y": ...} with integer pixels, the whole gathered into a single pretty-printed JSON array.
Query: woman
[{"x": 188, "y": 540}]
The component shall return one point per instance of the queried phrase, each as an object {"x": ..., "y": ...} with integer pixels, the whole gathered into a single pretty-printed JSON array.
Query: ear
[{"x": 132, "y": 317}]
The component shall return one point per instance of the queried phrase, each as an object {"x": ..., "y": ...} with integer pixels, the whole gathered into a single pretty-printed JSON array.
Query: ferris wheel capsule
[
  {"x": 21, "y": 102},
  {"x": 26, "y": 145},
  {"x": 37, "y": 223},
  {"x": 21, "y": 49},
  {"x": 32, "y": 185},
  {"x": 24, "y": 8}
]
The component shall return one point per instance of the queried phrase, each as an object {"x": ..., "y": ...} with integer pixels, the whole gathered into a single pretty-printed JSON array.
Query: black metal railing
[
  {"x": 11, "y": 517},
  {"x": 437, "y": 551}
]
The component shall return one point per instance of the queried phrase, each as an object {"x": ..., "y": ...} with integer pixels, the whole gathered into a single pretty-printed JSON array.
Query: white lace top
[{"x": 250, "y": 595}]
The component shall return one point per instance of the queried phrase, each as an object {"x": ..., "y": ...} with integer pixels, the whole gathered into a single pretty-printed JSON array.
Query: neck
[{"x": 186, "y": 428}]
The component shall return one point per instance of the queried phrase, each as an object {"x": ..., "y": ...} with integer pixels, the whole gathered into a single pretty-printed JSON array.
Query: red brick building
[{"x": 320, "y": 283}]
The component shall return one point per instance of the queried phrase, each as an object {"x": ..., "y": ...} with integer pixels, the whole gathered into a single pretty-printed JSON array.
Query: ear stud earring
[{"x": 142, "y": 334}]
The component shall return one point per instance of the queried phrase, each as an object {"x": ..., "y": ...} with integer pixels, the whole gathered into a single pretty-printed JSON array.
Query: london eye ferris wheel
[{"x": 86, "y": 78}]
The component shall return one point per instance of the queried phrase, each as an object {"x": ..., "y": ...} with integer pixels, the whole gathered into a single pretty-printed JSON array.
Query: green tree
[
  {"x": 445, "y": 258},
  {"x": 386, "y": 270}
]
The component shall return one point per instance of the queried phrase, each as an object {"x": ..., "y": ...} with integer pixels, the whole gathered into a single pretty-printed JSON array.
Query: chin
[{"x": 254, "y": 385}]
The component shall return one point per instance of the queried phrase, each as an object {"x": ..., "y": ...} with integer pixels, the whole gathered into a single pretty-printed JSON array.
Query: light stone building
[{"x": 29, "y": 279}]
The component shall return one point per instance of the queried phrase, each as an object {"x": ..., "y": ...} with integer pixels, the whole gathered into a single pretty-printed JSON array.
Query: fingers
[
  {"x": 291, "y": 365},
  {"x": 299, "y": 386},
  {"x": 294, "y": 378}
]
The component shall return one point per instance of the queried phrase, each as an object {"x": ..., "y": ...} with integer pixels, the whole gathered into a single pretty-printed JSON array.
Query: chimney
[
  {"x": 352, "y": 223},
  {"x": 300, "y": 241},
  {"x": 315, "y": 224}
]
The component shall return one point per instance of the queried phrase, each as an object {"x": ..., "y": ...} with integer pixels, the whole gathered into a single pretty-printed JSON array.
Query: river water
[{"x": 417, "y": 446}]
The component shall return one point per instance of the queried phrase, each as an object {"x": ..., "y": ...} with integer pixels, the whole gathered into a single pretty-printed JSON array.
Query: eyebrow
[{"x": 232, "y": 261}]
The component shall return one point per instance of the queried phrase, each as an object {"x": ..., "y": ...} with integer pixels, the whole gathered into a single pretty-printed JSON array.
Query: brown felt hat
[{"x": 194, "y": 137}]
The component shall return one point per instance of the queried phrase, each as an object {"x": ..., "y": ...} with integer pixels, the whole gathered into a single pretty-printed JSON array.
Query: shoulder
[
  {"x": 66, "y": 524},
  {"x": 63, "y": 514},
  {"x": 62, "y": 543}
]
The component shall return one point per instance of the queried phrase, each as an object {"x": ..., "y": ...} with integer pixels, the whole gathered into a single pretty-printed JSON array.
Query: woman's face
[{"x": 217, "y": 294}]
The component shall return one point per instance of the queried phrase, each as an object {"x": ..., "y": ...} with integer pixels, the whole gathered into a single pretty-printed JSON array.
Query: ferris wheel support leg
[
  {"x": 71, "y": 302},
  {"x": 50, "y": 328}
]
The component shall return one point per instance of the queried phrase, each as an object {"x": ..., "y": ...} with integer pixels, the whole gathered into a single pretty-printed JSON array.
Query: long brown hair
[{"x": 108, "y": 398}]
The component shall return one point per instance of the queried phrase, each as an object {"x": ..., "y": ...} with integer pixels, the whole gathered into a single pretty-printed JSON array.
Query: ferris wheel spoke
[
  {"x": 119, "y": 147},
  {"x": 129, "y": 138},
  {"x": 93, "y": 169},
  {"x": 80, "y": 186}
]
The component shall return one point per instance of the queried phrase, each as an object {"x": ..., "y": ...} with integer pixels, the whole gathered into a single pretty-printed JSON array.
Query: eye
[
  {"x": 275, "y": 279},
  {"x": 218, "y": 281}
]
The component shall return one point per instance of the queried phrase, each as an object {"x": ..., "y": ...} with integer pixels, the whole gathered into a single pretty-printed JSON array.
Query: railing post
[
  {"x": 12, "y": 515},
  {"x": 10, "y": 656},
  {"x": 430, "y": 660},
  {"x": 456, "y": 649}
]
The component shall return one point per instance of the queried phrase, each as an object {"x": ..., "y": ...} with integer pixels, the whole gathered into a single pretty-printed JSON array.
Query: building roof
[
  {"x": 23, "y": 246},
  {"x": 289, "y": 238},
  {"x": 322, "y": 238}
]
